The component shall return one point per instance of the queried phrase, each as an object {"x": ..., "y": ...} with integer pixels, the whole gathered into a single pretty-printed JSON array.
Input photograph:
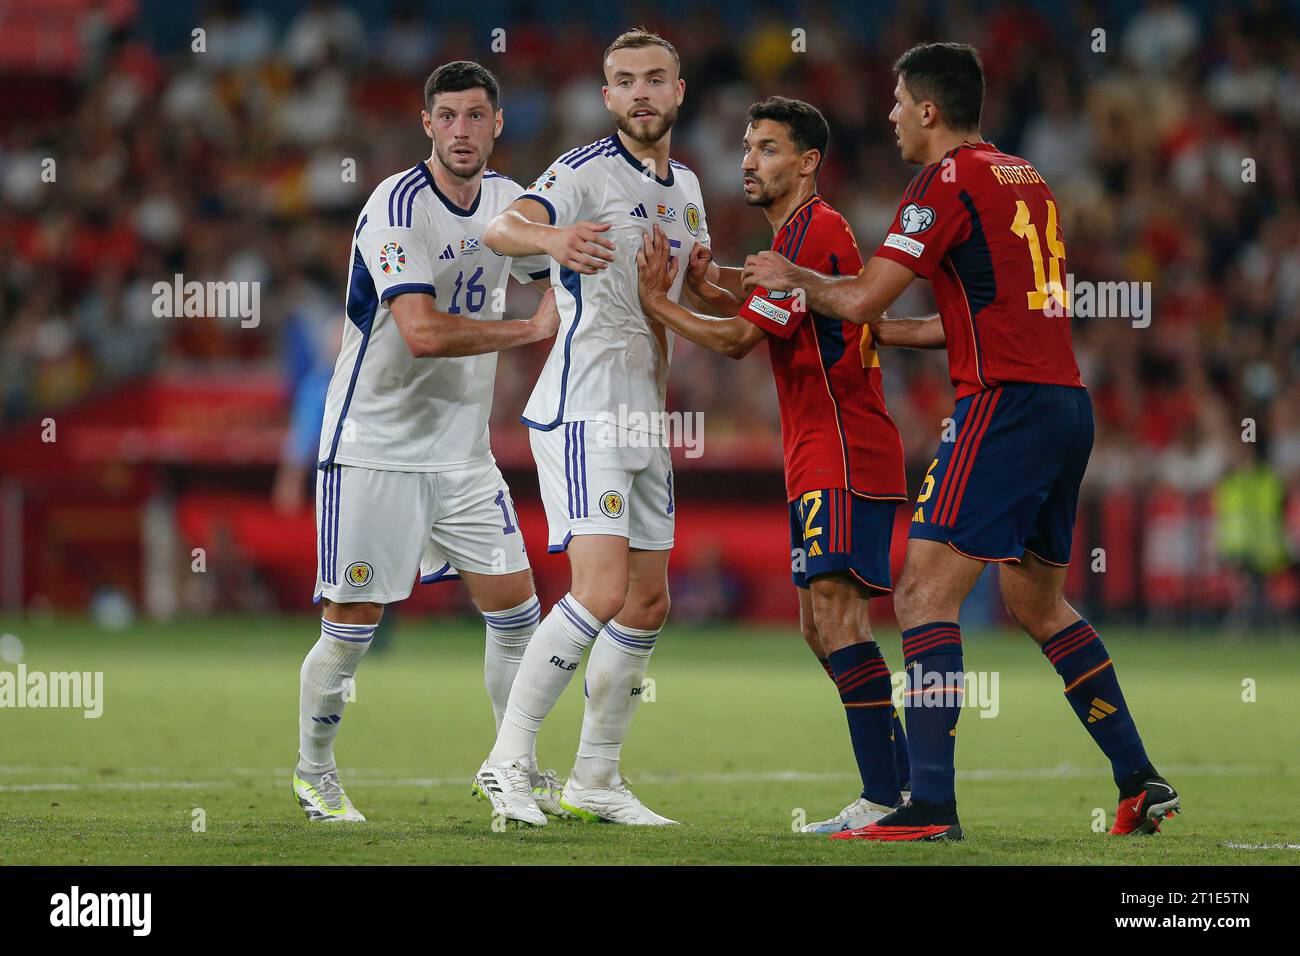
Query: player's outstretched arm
[
  {"x": 702, "y": 269},
  {"x": 730, "y": 278},
  {"x": 733, "y": 337},
  {"x": 862, "y": 298},
  {"x": 702, "y": 293},
  {"x": 430, "y": 333},
  {"x": 524, "y": 229},
  {"x": 926, "y": 333}
]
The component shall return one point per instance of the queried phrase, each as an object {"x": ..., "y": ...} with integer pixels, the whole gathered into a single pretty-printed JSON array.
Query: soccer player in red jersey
[
  {"x": 843, "y": 455},
  {"x": 984, "y": 228}
]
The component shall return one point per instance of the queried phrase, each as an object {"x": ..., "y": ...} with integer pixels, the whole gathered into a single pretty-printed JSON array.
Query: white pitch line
[
  {"x": 361, "y": 778},
  {"x": 1263, "y": 846},
  {"x": 112, "y": 785}
]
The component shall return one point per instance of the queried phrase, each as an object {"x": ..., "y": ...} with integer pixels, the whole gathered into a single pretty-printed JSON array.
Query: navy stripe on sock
[
  {"x": 938, "y": 637},
  {"x": 1076, "y": 652}
]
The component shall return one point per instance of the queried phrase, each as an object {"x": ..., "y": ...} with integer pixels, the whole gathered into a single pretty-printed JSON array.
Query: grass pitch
[{"x": 744, "y": 737}]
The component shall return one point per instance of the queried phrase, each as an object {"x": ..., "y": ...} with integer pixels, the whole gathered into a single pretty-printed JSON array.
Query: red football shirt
[
  {"x": 835, "y": 428},
  {"x": 984, "y": 228}
]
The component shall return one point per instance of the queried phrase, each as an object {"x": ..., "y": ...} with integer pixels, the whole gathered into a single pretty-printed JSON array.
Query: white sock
[
  {"x": 326, "y": 677},
  {"x": 508, "y": 632},
  {"x": 615, "y": 672},
  {"x": 549, "y": 661}
]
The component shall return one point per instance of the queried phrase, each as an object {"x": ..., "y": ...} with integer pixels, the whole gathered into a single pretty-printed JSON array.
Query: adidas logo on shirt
[
  {"x": 639, "y": 212},
  {"x": 447, "y": 253}
]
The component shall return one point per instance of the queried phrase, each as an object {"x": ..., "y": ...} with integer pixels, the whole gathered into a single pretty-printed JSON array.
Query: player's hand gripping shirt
[
  {"x": 609, "y": 361},
  {"x": 835, "y": 428},
  {"x": 984, "y": 228},
  {"x": 386, "y": 409}
]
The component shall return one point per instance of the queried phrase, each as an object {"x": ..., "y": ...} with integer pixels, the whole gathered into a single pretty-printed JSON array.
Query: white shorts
[
  {"x": 598, "y": 479},
  {"x": 375, "y": 530}
]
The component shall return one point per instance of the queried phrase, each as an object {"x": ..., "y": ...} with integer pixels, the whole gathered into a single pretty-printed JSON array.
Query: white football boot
[
  {"x": 323, "y": 799},
  {"x": 547, "y": 790},
  {"x": 860, "y": 813},
  {"x": 609, "y": 805},
  {"x": 510, "y": 791}
]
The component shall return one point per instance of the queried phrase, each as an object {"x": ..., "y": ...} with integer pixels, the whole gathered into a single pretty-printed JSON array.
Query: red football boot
[
  {"x": 912, "y": 822},
  {"x": 1142, "y": 812}
]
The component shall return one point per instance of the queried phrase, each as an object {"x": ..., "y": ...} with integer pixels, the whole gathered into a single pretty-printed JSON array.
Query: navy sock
[
  {"x": 862, "y": 677},
  {"x": 933, "y": 699},
  {"x": 901, "y": 761},
  {"x": 1092, "y": 688}
]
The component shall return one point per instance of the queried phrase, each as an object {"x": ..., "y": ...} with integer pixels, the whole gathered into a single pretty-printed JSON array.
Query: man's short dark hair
[
  {"x": 638, "y": 37},
  {"x": 808, "y": 128},
  {"x": 950, "y": 76},
  {"x": 461, "y": 75}
]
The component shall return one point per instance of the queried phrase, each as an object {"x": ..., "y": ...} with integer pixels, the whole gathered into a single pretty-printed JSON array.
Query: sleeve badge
[{"x": 392, "y": 259}]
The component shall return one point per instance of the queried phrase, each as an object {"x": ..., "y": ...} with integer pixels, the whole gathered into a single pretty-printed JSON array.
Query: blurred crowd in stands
[{"x": 1168, "y": 133}]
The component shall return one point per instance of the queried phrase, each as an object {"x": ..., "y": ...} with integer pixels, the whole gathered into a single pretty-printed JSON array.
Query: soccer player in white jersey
[
  {"x": 407, "y": 483},
  {"x": 597, "y": 420}
]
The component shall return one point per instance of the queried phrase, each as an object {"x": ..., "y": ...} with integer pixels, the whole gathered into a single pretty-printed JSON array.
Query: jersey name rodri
[{"x": 984, "y": 228}]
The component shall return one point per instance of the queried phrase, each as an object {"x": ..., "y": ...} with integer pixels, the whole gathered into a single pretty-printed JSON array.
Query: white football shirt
[
  {"x": 385, "y": 408},
  {"x": 607, "y": 363}
]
